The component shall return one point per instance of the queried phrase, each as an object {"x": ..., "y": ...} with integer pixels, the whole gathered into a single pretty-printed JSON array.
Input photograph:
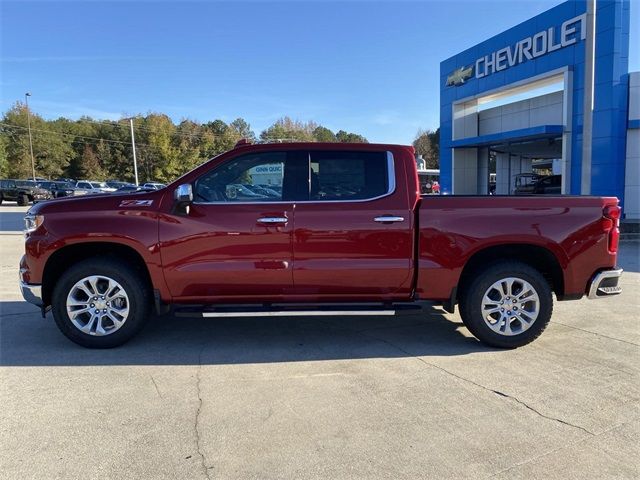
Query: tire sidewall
[
  {"x": 136, "y": 289},
  {"x": 471, "y": 307}
]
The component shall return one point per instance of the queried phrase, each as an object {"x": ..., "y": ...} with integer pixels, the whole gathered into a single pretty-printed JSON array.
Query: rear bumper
[
  {"x": 605, "y": 283},
  {"x": 31, "y": 293}
]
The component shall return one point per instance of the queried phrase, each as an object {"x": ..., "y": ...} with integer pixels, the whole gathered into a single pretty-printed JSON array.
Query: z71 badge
[{"x": 136, "y": 203}]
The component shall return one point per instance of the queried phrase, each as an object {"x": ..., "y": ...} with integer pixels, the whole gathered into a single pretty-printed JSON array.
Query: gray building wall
[{"x": 632, "y": 166}]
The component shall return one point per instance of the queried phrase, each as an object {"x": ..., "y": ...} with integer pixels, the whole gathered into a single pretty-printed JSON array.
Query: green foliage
[
  {"x": 322, "y": 134},
  {"x": 345, "y": 137},
  {"x": 101, "y": 150},
  {"x": 427, "y": 144}
]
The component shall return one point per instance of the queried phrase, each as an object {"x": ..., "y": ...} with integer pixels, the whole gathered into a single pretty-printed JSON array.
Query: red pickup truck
[{"x": 306, "y": 229}]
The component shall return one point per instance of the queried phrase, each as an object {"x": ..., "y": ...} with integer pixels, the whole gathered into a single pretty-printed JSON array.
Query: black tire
[
  {"x": 133, "y": 283},
  {"x": 1, "y": 199},
  {"x": 23, "y": 199},
  {"x": 471, "y": 299}
]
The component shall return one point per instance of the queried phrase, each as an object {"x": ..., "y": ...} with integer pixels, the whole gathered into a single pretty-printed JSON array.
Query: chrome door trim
[
  {"x": 388, "y": 219},
  {"x": 271, "y": 220}
]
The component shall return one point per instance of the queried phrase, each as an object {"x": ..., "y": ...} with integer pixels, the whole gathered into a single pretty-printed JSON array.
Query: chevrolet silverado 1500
[{"x": 314, "y": 229}]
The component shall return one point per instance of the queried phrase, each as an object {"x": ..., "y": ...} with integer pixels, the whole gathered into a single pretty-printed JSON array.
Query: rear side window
[{"x": 345, "y": 175}]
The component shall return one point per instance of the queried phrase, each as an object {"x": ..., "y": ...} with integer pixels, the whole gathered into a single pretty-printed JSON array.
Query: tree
[
  {"x": 322, "y": 134},
  {"x": 51, "y": 149},
  {"x": 4, "y": 159},
  {"x": 90, "y": 167},
  {"x": 288, "y": 130},
  {"x": 345, "y": 137},
  {"x": 426, "y": 145},
  {"x": 243, "y": 129}
]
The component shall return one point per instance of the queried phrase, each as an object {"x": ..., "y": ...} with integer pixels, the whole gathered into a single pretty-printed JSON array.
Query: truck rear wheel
[
  {"x": 23, "y": 199},
  {"x": 101, "y": 303},
  {"x": 507, "y": 305}
]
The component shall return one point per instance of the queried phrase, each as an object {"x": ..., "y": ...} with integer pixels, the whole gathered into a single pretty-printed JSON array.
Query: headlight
[{"x": 32, "y": 222}]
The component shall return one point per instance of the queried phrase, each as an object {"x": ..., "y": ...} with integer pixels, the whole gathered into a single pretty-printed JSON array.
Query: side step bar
[
  {"x": 300, "y": 313},
  {"x": 298, "y": 310}
]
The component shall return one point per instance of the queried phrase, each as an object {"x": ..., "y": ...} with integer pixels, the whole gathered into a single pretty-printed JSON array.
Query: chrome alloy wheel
[
  {"x": 510, "y": 306},
  {"x": 98, "y": 305}
]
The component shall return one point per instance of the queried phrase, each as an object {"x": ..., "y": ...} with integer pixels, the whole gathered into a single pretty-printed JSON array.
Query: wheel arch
[
  {"x": 71, "y": 254},
  {"x": 538, "y": 257}
]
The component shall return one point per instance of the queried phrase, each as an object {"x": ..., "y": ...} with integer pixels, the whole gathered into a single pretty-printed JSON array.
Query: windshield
[
  {"x": 45, "y": 184},
  {"x": 64, "y": 185},
  {"x": 98, "y": 185},
  {"x": 26, "y": 183}
]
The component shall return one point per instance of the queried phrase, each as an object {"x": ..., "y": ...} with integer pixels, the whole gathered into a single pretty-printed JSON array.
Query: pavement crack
[
  {"x": 153, "y": 380},
  {"x": 505, "y": 395},
  {"x": 196, "y": 424},
  {"x": 496, "y": 392},
  {"x": 596, "y": 334}
]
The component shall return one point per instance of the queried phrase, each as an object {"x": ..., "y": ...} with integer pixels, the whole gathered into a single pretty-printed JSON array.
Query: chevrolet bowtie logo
[{"x": 459, "y": 76}]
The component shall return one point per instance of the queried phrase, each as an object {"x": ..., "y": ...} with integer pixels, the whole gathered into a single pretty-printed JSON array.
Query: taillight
[{"x": 611, "y": 224}]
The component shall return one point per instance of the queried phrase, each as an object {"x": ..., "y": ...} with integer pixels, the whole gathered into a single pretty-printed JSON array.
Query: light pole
[
  {"x": 133, "y": 146},
  {"x": 33, "y": 163}
]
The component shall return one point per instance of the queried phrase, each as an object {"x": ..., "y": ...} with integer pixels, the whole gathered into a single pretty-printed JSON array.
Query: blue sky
[{"x": 366, "y": 67}]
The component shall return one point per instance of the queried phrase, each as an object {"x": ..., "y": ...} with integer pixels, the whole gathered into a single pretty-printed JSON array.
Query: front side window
[
  {"x": 336, "y": 175},
  {"x": 257, "y": 177}
]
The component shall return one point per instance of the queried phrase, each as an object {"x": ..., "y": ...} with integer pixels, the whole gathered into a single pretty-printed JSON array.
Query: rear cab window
[{"x": 349, "y": 175}]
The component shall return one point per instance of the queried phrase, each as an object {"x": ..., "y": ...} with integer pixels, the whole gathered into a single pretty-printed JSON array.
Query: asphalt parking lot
[{"x": 337, "y": 398}]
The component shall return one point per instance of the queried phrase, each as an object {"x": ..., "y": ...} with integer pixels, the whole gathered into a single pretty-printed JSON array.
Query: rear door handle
[
  {"x": 388, "y": 219},
  {"x": 272, "y": 220}
]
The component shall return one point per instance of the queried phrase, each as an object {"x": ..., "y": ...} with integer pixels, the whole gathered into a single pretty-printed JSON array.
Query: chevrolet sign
[{"x": 530, "y": 48}]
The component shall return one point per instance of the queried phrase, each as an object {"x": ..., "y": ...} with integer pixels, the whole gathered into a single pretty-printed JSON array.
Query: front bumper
[
  {"x": 32, "y": 293},
  {"x": 605, "y": 283}
]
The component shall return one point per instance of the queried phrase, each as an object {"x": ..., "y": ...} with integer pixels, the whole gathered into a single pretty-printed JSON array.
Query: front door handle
[
  {"x": 388, "y": 219},
  {"x": 272, "y": 220}
]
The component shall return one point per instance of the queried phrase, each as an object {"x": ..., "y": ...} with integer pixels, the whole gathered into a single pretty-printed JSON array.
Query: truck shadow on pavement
[
  {"x": 26, "y": 339},
  {"x": 12, "y": 221}
]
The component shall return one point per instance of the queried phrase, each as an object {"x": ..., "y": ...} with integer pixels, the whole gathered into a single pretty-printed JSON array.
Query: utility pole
[
  {"x": 133, "y": 146},
  {"x": 33, "y": 162}
]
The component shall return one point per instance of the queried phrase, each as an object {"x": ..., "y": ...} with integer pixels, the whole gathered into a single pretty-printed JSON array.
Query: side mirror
[
  {"x": 183, "y": 196},
  {"x": 184, "y": 193}
]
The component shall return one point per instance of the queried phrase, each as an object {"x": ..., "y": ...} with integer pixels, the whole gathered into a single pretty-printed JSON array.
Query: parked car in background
[
  {"x": 94, "y": 187},
  {"x": 133, "y": 189},
  {"x": 118, "y": 184},
  {"x": 67, "y": 180},
  {"x": 524, "y": 183},
  {"x": 549, "y": 185},
  {"x": 62, "y": 189},
  {"x": 22, "y": 191},
  {"x": 154, "y": 185}
]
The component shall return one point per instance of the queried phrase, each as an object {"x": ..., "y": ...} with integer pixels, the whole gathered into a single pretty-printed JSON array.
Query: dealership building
[{"x": 551, "y": 96}]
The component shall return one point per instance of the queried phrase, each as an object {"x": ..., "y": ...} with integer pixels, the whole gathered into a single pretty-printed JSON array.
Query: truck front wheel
[
  {"x": 100, "y": 303},
  {"x": 507, "y": 305},
  {"x": 23, "y": 199}
]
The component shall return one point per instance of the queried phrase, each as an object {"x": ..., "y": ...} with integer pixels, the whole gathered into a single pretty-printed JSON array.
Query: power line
[
  {"x": 116, "y": 123},
  {"x": 51, "y": 132}
]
